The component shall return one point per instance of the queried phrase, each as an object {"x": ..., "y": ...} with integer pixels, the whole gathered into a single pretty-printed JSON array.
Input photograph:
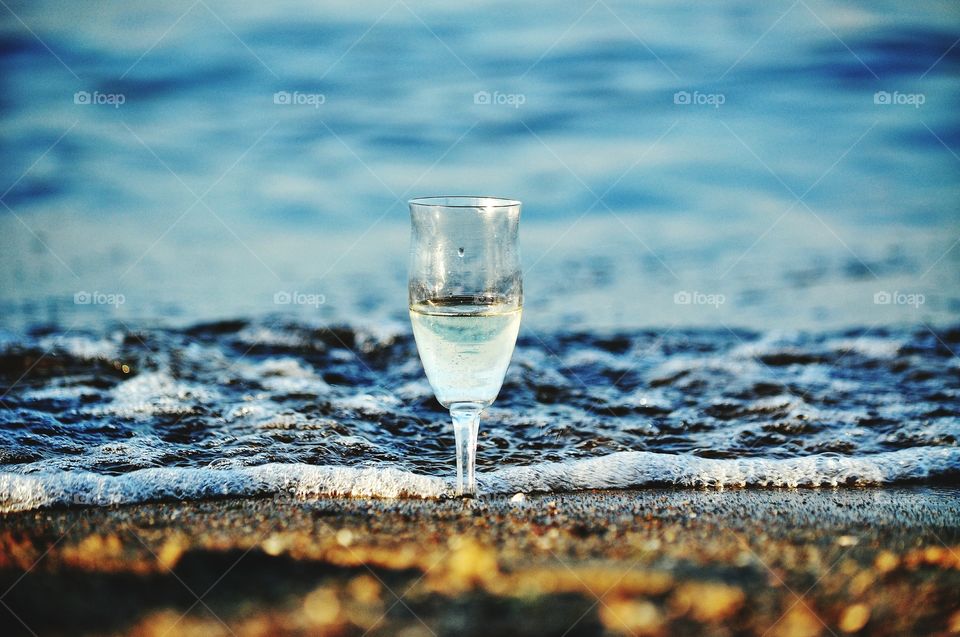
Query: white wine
[{"x": 465, "y": 347}]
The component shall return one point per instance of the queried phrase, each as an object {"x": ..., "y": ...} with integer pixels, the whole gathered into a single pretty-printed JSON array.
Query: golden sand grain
[
  {"x": 854, "y": 618},
  {"x": 631, "y": 616},
  {"x": 886, "y": 561},
  {"x": 799, "y": 621},
  {"x": 708, "y": 601},
  {"x": 321, "y": 606}
]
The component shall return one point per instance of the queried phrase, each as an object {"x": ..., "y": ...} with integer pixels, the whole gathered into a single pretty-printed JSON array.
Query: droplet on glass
[{"x": 460, "y": 251}]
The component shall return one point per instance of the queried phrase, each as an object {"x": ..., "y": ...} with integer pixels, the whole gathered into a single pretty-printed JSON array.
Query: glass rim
[{"x": 460, "y": 201}]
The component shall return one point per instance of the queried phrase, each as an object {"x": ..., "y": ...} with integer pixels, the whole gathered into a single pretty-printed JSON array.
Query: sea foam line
[
  {"x": 638, "y": 468},
  {"x": 24, "y": 492}
]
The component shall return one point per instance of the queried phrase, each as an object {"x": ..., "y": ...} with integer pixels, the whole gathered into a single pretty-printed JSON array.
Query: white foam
[
  {"x": 370, "y": 336},
  {"x": 19, "y": 492},
  {"x": 376, "y": 402},
  {"x": 153, "y": 393},
  {"x": 59, "y": 393},
  {"x": 268, "y": 336},
  {"x": 81, "y": 346},
  {"x": 22, "y": 492},
  {"x": 284, "y": 375},
  {"x": 872, "y": 347},
  {"x": 638, "y": 468}
]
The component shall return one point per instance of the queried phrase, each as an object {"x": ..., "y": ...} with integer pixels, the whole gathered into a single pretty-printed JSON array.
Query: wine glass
[{"x": 466, "y": 296}]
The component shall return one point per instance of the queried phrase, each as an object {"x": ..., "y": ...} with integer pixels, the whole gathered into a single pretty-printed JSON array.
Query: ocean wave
[
  {"x": 20, "y": 492},
  {"x": 641, "y": 468},
  {"x": 345, "y": 410},
  {"x": 633, "y": 469}
]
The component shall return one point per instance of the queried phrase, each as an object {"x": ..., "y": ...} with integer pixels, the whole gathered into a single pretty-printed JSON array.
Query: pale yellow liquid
[{"x": 465, "y": 349}]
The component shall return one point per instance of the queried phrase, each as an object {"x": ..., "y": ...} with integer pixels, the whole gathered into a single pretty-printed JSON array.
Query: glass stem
[{"x": 466, "y": 424}]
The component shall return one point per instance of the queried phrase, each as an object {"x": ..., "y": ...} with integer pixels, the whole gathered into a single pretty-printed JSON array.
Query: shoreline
[
  {"x": 617, "y": 470},
  {"x": 654, "y": 561}
]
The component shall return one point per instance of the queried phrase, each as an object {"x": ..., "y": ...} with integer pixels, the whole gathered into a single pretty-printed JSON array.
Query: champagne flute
[{"x": 466, "y": 297}]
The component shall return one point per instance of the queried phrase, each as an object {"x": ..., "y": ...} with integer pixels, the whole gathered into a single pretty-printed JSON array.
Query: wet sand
[{"x": 645, "y": 562}]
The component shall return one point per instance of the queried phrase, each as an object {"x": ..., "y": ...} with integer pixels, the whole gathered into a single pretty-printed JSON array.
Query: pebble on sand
[
  {"x": 954, "y": 625},
  {"x": 470, "y": 562},
  {"x": 364, "y": 589},
  {"x": 274, "y": 545},
  {"x": 171, "y": 551},
  {"x": 798, "y": 622},
  {"x": 637, "y": 616},
  {"x": 854, "y": 618},
  {"x": 344, "y": 537},
  {"x": 518, "y": 498},
  {"x": 707, "y": 601},
  {"x": 321, "y": 606},
  {"x": 886, "y": 561},
  {"x": 96, "y": 552}
]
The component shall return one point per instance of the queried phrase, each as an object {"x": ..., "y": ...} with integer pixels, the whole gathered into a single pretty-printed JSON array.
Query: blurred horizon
[{"x": 763, "y": 165}]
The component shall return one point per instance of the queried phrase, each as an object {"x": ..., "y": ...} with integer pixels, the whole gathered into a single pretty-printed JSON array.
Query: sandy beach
[
  {"x": 646, "y": 562},
  {"x": 261, "y": 265}
]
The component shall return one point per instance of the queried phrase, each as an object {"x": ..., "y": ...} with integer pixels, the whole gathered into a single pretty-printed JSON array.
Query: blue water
[{"x": 780, "y": 173}]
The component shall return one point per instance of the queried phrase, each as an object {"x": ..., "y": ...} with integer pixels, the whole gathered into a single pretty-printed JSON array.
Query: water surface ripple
[{"x": 245, "y": 407}]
